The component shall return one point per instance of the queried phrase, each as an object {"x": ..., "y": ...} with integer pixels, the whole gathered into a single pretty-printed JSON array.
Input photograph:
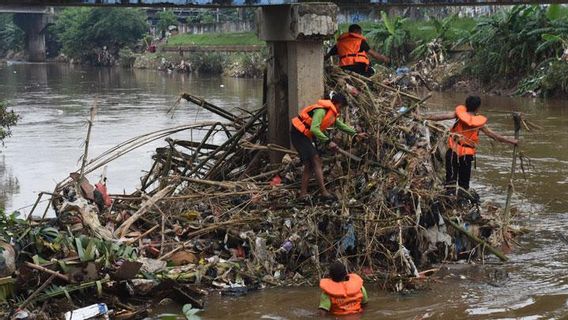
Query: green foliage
[
  {"x": 11, "y": 226},
  {"x": 550, "y": 80},
  {"x": 166, "y": 18},
  {"x": 443, "y": 33},
  {"x": 100, "y": 251},
  {"x": 391, "y": 39},
  {"x": 208, "y": 62},
  {"x": 210, "y": 39},
  {"x": 8, "y": 119},
  {"x": 510, "y": 43},
  {"x": 126, "y": 57},
  {"x": 83, "y": 32},
  {"x": 245, "y": 65},
  {"x": 11, "y": 37}
]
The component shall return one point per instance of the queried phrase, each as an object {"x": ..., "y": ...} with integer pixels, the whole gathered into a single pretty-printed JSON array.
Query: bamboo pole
[
  {"x": 510, "y": 187},
  {"x": 472, "y": 237}
]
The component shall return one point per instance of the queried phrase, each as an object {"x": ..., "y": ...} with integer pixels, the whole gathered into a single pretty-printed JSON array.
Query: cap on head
[
  {"x": 337, "y": 272},
  {"x": 472, "y": 103},
  {"x": 338, "y": 99},
  {"x": 355, "y": 28}
]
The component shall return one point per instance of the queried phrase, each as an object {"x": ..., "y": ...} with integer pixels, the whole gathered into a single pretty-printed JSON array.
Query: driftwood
[
  {"x": 477, "y": 240},
  {"x": 146, "y": 205},
  {"x": 48, "y": 271},
  {"x": 89, "y": 214}
]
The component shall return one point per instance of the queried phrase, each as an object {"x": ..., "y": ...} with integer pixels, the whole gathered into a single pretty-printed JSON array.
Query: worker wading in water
[
  {"x": 342, "y": 293},
  {"x": 313, "y": 121},
  {"x": 463, "y": 141},
  {"x": 353, "y": 51}
]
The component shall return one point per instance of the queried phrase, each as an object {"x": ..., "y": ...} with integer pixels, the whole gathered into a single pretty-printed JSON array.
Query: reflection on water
[
  {"x": 54, "y": 101},
  {"x": 8, "y": 183}
]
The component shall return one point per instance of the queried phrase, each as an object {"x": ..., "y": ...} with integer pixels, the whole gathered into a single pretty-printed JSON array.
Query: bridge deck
[{"x": 256, "y": 3}]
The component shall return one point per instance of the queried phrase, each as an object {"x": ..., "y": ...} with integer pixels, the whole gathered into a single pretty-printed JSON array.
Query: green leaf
[
  {"x": 551, "y": 37},
  {"x": 554, "y": 12},
  {"x": 387, "y": 22}
]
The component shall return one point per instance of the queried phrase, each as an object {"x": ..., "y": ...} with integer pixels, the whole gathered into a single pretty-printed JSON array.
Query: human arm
[
  {"x": 331, "y": 52},
  {"x": 365, "y": 297},
  {"x": 342, "y": 126},
  {"x": 349, "y": 130},
  {"x": 379, "y": 57},
  {"x": 497, "y": 137},
  {"x": 325, "y": 304},
  {"x": 315, "y": 128},
  {"x": 440, "y": 116},
  {"x": 374, "y": 54}
]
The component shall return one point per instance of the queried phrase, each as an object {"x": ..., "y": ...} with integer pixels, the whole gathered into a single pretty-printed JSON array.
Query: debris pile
[{"x": 212, "y": 212}]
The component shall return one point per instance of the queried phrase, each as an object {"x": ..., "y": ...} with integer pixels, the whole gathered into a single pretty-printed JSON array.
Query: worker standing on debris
[
  {"x": 463, "y": 141},
  {"x": 353, "y": 50},
  {"x": 312, "y": 121},
  {"x": 342, "y": 293}
]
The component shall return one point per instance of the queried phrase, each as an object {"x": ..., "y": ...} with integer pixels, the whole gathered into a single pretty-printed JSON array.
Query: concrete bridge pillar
[
  {"x": 34, "y": 25},
  {"x": 294, "y": 35}
]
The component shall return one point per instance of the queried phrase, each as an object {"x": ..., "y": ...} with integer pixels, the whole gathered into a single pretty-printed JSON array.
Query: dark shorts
[{"x": 303, "y": 145}]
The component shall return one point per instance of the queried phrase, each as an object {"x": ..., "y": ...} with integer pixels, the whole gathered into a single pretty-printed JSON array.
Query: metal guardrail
[{"x": 225, "y": 48}]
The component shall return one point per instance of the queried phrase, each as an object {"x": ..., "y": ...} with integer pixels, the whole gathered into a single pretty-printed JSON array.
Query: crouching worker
[
  {"x": 463, "y": 141},
  {"x": 342, "y": 293},
  {"x": 313, "y": 121}
]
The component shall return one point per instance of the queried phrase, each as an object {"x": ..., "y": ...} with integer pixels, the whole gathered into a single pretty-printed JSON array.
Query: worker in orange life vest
[
  {"x": 313, "y": 121},
  {"x": 342, "y": 293},
  {"x": 463, "y": 140},
  {"x": 353, "y": 51}
]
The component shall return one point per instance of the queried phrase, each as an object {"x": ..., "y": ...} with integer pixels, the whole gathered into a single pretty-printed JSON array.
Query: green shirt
[
  {"x": 325, "y": 301},
  {"x": 317, "y": 117}
]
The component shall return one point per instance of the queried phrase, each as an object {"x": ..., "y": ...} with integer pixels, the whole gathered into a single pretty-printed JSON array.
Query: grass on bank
[
  {"x": 215, "y": 39},
  {"x": 419, "y": 30}
]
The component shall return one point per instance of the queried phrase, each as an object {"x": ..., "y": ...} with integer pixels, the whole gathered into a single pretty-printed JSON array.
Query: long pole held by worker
[{"x": 510, "y": 187}]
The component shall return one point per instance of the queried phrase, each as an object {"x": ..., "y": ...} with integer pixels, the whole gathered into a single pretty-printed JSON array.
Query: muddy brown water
[{"x": 54, "y": 101}]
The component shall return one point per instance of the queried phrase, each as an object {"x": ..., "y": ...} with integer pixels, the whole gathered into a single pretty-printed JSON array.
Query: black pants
[
  {"x": 360, "y": 68},
  {"x": 458, "y": 169}
]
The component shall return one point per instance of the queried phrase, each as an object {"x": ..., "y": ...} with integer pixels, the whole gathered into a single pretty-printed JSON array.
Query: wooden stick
[
  {"x": 414, "y": 106},
  {"x": 87, "y": 140},
  {"x": 484, "y": 244},
  {"x": 507, "y": 211},
  {"x": 143, "y": 235},
  {"x": 35, "y": 293},
  {"x": 123, "y": 229},
  {"x": 48, "y": 271}
]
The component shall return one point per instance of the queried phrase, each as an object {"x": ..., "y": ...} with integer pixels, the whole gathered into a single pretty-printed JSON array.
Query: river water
[{"x": 54, "y": 102}]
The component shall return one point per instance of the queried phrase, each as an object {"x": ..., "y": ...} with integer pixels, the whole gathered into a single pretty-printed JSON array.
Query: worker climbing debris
[{"x": 313, "y": 121}]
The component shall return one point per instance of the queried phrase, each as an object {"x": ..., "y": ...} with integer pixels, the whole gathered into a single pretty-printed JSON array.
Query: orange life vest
[
  {"x": 465, "y": 132},
  {"x": 345, "y": 296},
  {"x": 303, "y": 121},
  {"x": 348, "y": 46}
]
